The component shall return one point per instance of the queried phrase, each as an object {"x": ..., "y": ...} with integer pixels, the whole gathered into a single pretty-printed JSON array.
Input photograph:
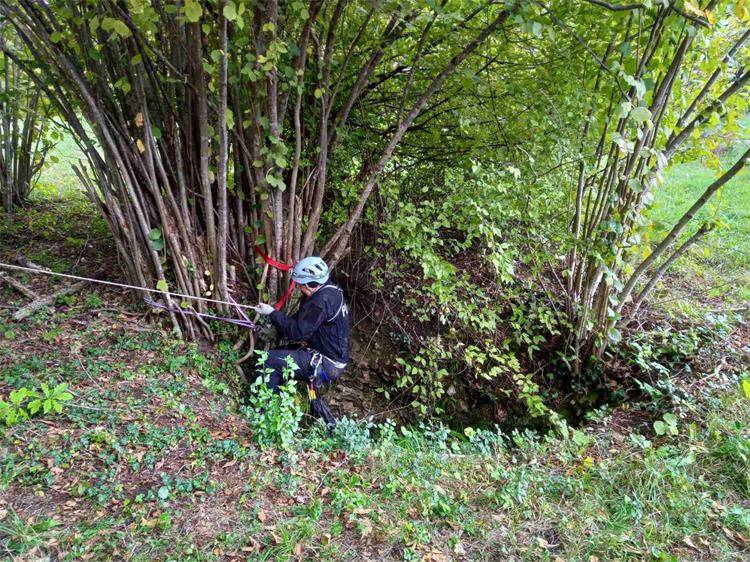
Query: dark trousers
[
  {"x": 326, "y": 372},
  {"x": 277, "y": 361}
]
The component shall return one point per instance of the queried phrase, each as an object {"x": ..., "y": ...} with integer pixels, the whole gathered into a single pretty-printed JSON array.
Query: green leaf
[
  {"x": 157, "y": 245},
  {"x": 11, "y": 417},
  {"x": 193, "y": 11},
  {"x": 162, "y": 285},
  {"x": 18, "y": 396},
  {"x": 121, "y": 29},
  {"x": 163, "y": 492},
  {"x": 230, "y": 11},
  {"x": 318, "y": 93},
  {"x": 640, "y": 114},
  {"x": 660, "y": 427},
  {"x": 276, "y": 182},
  {"x": 117, "y": 27},
  {"x": 623, "y": 109},
  {"x": 35, "y": 406},
  {"x": 155, "y": 234}
]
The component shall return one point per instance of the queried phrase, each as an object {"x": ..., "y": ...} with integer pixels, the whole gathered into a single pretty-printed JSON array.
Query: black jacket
[{"x": 322, "y": 321}]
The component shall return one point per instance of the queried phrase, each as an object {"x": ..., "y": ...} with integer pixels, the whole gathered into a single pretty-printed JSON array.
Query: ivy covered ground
[{"x": 154, "y": 457}]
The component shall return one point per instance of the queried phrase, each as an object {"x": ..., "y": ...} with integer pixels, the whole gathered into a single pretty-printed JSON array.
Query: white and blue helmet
[{"x": 310, "y": 270}]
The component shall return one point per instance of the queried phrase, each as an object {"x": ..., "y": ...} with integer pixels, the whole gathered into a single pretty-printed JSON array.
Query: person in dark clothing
[{"x": 322, "y": 322}]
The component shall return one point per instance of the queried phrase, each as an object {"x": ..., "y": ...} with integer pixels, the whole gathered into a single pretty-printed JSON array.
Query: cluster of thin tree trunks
[{"x": 188, "y": 191}]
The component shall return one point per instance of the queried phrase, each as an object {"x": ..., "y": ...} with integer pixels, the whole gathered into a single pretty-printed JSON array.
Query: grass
[
  {"x": 58, "y": 179},
  {"x": 722, "y": 260}
]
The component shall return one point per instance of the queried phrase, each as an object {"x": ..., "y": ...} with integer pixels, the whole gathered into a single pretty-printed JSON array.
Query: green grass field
[
  {"x": 57, "y": 179},
  {"x": 721, "y": 261}
]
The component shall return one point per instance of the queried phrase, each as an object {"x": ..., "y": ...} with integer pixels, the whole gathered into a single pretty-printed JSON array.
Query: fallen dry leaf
[
  {"x": 150, "y": 523},
  {"x": 366, "y": 527},
  {"x": 436, "y": 556},
  {"x": 689, "y": 542}
]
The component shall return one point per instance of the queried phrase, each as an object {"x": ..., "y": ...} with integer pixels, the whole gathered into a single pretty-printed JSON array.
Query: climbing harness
[
  {"x": 343, "y": 309},
  {"x": 317, "y": 362}
]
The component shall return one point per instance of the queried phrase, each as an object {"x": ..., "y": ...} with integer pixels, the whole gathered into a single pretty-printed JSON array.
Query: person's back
[{"x": 332, "y": 336}]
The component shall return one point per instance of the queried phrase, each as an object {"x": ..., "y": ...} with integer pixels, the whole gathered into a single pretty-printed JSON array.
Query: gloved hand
[{"x": 264, "y": 309}]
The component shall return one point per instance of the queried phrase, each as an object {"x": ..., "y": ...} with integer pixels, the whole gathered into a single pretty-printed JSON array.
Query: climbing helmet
[{"x": 310, "y": 270}]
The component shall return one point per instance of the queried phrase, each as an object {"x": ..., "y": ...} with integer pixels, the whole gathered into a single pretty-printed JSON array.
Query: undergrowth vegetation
[
  {"x": 149, "y": 448},
  {"x": 151, "y": 461}
]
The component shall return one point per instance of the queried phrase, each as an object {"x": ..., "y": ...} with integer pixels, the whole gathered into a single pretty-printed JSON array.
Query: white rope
[{"x": 123, "y": 285}]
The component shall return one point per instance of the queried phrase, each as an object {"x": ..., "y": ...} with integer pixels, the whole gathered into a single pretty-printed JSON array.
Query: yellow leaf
[
  {"x": 710, "y": 17},
  {"x": 139, "y": 119},
  {"x": 740, "y": 10},
  {"x": 149, "y": 523},
  {"x": 141, "y": 146},
  {"x": 692, "y": 9},
  {"x": 746, "y": 388},
  {"x": 262, "y": 516}
]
